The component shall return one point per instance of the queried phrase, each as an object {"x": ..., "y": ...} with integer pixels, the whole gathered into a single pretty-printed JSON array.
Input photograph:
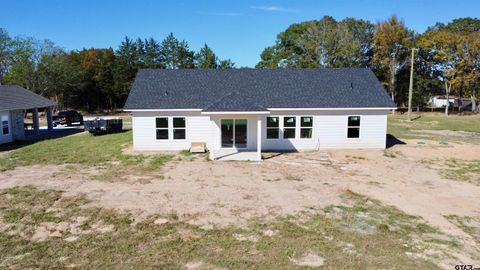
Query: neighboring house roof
[
  {"x": 444, "y": 97},
  {"x": 13, "y": 97},
  {"x": 256, "y": 89}
]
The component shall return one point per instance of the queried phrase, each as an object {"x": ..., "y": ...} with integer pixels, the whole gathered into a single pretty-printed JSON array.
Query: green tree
[
  {"x": 152, "y": 58},
  {"x": 391, "y": 43},
  {"x": 206, "y": 58},
  {"x": 175, "y": 54},
  {"x": 57, "y": 75},
  {"x": 453, "y": 52},
  {"x": 126, "y": 67},
  {"x": 322, "y": 43},
  {"x": 6, "y": 52},
  {"x": 226, "y": 64}
]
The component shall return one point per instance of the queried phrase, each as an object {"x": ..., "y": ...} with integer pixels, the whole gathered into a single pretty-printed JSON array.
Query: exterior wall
[
  {"x": 251, "y": 130},
  {"x": 5, "y": 116},
  {"x": 329, "y": 131},
  {"x": 18, "y": 127},
  {"x": 199, "y": 128}
]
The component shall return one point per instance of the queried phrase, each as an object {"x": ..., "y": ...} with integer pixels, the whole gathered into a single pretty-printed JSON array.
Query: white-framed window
[
  {"x": 285, "y": 127},
  {"x": 179, "y": 128},
  {"x": 289, "y": 127},
  {"x": 161, "y": 125},
  {"x": 171, "y": 128},
  {"x": 353, "y": 129},
  {"x": 5, "y": 127},
  {"x": 306, "y": 127},
  {"x": 273, "y": 127}
]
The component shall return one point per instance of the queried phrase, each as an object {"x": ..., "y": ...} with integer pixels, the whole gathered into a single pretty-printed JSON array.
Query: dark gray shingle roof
[
  {"x": 256, "y": 89},
  {"x": 13, "y": 97}
]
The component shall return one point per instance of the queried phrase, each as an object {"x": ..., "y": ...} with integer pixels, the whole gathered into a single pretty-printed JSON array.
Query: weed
[
  {"x": 462, "y": 170},
  {"x": 174, "y": 244},
  {"x": 186, "y": 152},
  {"x": 389, "y": 154}
]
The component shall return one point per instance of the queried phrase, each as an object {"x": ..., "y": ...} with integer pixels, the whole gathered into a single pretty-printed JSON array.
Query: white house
[
  {"x": 441, "y": 101},
  {"x": 14, "y": 101},
  {"x": 240, "y": 112}
]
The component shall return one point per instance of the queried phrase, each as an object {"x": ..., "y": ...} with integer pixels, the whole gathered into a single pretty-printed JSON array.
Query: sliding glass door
[{"x": 234, "y": 133}]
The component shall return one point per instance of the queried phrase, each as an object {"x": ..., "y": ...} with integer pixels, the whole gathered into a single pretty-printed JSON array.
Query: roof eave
[{"x": 236, "y": 112}]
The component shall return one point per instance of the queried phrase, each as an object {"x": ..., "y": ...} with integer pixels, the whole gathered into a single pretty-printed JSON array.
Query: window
[
  {"x": 179, "y": 128},
  {"x": 306, "y": 127},
  {"x": 5, "y": 130},
  {"x": 353, "y": 130},
  {"x": 162, "y": 128},
  {"x": 273, "y": 127},
  {"x": 289, "y": 124}
]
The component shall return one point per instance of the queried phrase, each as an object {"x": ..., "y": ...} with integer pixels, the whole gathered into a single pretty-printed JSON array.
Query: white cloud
[{"x": 274, "y": 8}]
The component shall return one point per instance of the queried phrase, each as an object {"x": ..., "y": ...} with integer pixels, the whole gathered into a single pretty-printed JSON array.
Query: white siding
[
  {"x": 5, "y": 116},
  {"x": 251, "y": 130},
  {"x": 199, "y": 129},
  {"x": 329, "y": 131}
]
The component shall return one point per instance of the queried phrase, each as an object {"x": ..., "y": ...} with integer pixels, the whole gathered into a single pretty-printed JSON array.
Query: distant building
[
  {"x": 14, "y": 102},
  {"x": 441, "y": 101}
]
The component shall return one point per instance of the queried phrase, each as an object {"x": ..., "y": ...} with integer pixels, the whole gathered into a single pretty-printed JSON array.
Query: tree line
[
  {"x": 447, "y": 60},
  {"x": 447, "y": 55},
  {"x": 93, "y": 79}
]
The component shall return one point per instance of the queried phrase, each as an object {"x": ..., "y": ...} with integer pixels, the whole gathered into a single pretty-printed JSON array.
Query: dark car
[{"x": 67, "y": 117}]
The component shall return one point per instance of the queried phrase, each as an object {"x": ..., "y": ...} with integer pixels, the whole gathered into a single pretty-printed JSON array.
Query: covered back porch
[{"x": 237, "y": 135}]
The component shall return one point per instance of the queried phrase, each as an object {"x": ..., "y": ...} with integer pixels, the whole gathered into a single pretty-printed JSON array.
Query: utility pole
[{"x": 410, "y": 87}]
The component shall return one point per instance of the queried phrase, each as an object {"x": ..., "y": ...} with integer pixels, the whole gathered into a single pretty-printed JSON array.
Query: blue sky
[{"x": 238, "y": 30}]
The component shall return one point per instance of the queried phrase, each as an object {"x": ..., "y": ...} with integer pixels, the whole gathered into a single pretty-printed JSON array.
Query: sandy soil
[{"x": 210, "y": 194}]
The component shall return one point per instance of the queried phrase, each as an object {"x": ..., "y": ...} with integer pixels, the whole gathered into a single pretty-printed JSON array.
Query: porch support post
[
  {"x": 49, "y": 118},
  {"x": 259, "y": 137},
  {"x": 36, "y": 122}
]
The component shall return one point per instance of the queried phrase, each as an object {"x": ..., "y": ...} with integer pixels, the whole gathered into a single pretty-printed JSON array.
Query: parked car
[
  {"x": 67, "y": 117},
  {"x": 103, "y": 125}
]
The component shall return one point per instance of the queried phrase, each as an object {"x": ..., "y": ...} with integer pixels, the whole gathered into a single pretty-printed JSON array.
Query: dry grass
[{"x": 364, "y": 236}]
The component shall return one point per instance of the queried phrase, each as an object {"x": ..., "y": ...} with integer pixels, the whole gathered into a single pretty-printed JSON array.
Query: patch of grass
[
  {"x": 292, "y": 177},
  {"x": 186, "y": 152},
  {"x": 174, "y": 244},
  {"x": 400, "y": 127},
  {"x": 84, "y": 151},
  {"x": 462, "y": 170},
  {"x": 469, "y": 225},
  {"x": 158, "y": 161},
  {"x": 389, "y": 154}
]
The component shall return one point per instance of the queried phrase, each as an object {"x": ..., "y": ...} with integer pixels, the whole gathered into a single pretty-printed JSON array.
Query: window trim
[
  {"x": 7, "y": 126},
  {"x": 162, "y": 128},
  {"x": 300, "y": 127},
  {"x": 277, "y": 128},
  {"x": 170, "y": 128},
  {"x": 234, "y": 131},
  {"x": 184, "y": 128},
  {"x": 295, "y": 128},
  {"x": 359, "y": 128}
]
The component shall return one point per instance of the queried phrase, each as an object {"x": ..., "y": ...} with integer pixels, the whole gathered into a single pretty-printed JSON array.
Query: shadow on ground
[
  {"x": 44, "y": 134},
  {"x": 392, "y": 141}
]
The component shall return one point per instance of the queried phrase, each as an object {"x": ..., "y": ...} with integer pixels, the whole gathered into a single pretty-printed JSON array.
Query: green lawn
[
  {"x": 367, "y": 236},
  {"x": 400, "y": 127},
  {"x": 84, "y": 150}
]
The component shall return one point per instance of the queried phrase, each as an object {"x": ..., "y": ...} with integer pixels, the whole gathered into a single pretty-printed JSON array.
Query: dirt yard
[{"x": 410, "y": 177}]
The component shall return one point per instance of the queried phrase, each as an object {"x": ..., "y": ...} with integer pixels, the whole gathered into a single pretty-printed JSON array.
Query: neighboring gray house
[
  {"x": 240, "y": 112},
  {"x": 14, "y": 101}
]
